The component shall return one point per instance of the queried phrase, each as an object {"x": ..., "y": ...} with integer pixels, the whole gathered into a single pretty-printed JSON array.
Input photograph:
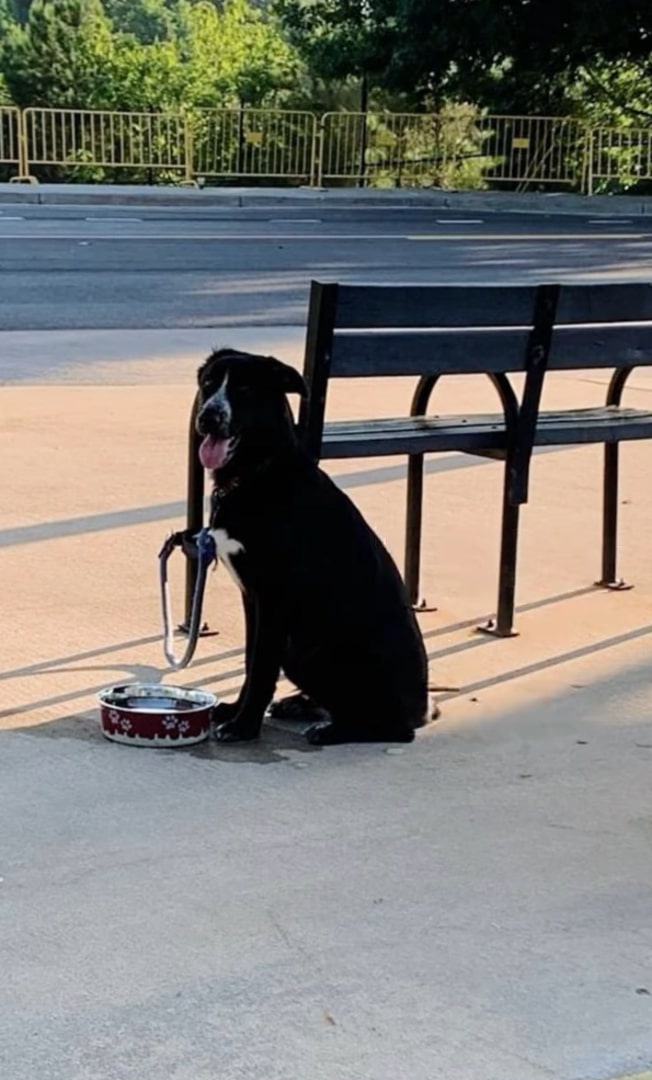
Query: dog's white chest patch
[{"x": 226, "y": 548}]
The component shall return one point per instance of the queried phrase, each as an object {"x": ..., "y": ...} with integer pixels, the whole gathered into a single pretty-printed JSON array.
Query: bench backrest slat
[
  {"x": 372, "y": 307},
  {"x": 423, "y": 329},
  {"x": 631, "y": 302}
]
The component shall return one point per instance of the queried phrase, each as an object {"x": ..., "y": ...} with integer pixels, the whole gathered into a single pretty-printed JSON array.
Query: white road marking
[
  {"x": 115, "y": 220},
  {"x": 460, "y": 221},
  {"x": 312, "y": 237},
  {"x": 296, "y": 221},
  {"x": 493, "y": 237},
  {"x": 7, "y": 218},
  {"x": 231, "y": 238}
]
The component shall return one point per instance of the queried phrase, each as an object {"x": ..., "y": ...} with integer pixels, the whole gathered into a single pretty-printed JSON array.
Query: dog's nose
[{"x": 211, "y": 418}]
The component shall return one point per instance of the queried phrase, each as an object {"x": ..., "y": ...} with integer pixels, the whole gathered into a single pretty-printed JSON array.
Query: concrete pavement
[
  {"x": 129, "y": 194},
  {"x": 477, "y": 905}
]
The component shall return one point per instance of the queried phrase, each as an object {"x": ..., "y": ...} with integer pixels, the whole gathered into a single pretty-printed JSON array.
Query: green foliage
[
  {"x": 145, "y": 77},
  {"x": 444, "y": 150},
  {"x": 339, "y": 38},
  {"x": 233, "y": 56},
  {"x": 506, "y": 54},
  {"x": 147, "y": 20},
  {"x": 18, "y": 9},
  {"x": 615, "y": 94},
  {"x": 149, "y": 54},
  {"x": 60, "y": 56}
]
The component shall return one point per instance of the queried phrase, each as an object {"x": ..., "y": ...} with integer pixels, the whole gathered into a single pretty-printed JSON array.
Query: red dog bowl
[{"x": 144, "y": 714}]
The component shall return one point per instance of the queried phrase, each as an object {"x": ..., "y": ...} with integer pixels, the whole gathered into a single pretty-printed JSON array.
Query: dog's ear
[{"x": 288, "y": 378}]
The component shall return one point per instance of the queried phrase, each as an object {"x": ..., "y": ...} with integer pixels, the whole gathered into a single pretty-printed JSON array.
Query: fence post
[
  {"x": 364, "y": 102},
  {"x": 315, "y": 152},
  {"x": 588, "y": 165},
  {"x": 318, "y": 151},
  {"x": 189, "y": 147},
  {"x": 240, "y": 137},
  {"x": 23, "y": 154}
]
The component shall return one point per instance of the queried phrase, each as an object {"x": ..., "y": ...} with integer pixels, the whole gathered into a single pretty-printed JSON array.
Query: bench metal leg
[
  {"x": 413, "y": 530},
  {"x": 503, "y": 624},
  {"x": 609, "y": 580},
  {"x": 413, "y": 526}
]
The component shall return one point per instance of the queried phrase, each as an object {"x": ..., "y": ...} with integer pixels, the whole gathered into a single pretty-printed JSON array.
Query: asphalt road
[{"x": 133, "y": 268}]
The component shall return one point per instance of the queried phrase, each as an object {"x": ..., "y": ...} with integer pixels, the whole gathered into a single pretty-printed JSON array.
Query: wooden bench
[{"x": 428, "y": 331}]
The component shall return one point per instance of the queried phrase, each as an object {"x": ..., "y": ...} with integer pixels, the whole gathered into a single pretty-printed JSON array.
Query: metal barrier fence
[
  {"x": 10, "y": 145},
  {"x": 254, "y": 144},
  {"x": 531, "y": 150},
  {"x": 458, "y": 148},
  {"x": 89, "y": 144},
  {"x": 619, "y": 157}
]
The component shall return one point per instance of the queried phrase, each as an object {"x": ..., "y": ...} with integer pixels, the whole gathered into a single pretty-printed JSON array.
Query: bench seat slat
[{"x": 405, "y": 435}]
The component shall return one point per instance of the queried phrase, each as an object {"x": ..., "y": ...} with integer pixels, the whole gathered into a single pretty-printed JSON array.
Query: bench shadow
[
  {"x": 278, "y": 740},
  {"x": 221, "y": 679}
]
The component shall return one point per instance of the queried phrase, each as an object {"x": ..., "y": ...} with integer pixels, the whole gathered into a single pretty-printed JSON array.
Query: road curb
[{"x": 331, "y": 198}]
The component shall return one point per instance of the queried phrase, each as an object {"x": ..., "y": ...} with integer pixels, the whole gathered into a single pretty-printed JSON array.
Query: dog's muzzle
[{"x": 214, "y": 423}]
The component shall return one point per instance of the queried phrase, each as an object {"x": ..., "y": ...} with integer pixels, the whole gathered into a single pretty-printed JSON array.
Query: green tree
[
  {"x": 507, "y": 53},
  {"x": 340, "y": 38},
  {"x": 61, "y": 56},
  {"x": 148, "y": 20},
  {"x": 234, "y": 56},
  {"x": 145, "y": 77},
  {"x": 617, "y": 93},
  {"x": 6, "y": 18},
  {"x": 19, "y": 9},
  {"x": 155, "y": 54}
]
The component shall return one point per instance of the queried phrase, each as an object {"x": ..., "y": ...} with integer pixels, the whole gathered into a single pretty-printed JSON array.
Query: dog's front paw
[
  {"x": 236, "y": 729},
  {"x": 225, "y": 713}
]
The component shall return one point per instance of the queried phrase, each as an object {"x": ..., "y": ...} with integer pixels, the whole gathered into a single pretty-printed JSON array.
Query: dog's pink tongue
[{"x": 212, "y": 452}]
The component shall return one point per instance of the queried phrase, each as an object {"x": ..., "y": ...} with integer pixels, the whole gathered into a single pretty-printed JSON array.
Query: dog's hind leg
[
  {"x": 301, "y": 668},
  {"x": 340, "y": 699}
]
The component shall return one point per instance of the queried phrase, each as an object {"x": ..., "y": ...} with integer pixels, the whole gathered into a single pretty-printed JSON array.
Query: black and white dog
[{"x": 323, "y": 599}]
